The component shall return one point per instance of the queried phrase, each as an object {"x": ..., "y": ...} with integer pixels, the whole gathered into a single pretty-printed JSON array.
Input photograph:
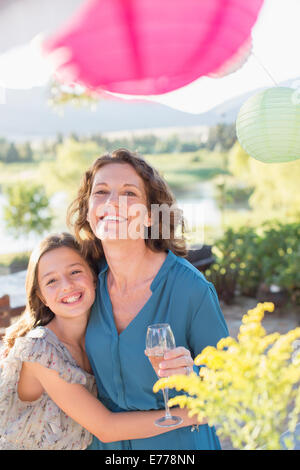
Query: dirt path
[{"x": 282, "y": 320}]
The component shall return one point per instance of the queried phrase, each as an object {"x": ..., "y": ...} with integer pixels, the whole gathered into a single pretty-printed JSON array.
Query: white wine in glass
[{"x": 160, "y": 339}]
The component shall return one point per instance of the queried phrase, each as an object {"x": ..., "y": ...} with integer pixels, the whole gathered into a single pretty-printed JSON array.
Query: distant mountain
[
  {"x": 26, "y": 115},
  {"x": 230, "y": 108}
]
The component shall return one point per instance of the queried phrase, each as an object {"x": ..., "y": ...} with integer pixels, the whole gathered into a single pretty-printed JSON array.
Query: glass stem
[{"x": 166, "y": 399}]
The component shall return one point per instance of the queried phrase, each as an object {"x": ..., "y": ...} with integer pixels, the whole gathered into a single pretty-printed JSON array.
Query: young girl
[{"x": 47, "y": 390}]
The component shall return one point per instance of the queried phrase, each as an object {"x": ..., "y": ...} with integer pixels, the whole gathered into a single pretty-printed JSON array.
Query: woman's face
[
  {"x": 66, "y": 283},
  {"x": 118, "y": 203}
]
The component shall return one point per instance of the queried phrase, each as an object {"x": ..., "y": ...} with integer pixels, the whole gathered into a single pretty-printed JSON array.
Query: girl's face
[
  {"x": 118, "y": 203},
  {"x": 66, "y": 283}
]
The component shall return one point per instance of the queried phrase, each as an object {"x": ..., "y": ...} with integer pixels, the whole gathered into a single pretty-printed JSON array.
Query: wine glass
[{"x": 160, "y": 339}]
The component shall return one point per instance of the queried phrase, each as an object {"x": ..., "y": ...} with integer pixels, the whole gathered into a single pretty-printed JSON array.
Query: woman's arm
[{"x": 76, "y": 401}]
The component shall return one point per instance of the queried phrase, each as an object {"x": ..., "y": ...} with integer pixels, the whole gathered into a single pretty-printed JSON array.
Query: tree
[
  {"x": 27, "y": 209},
  {"x": 12, "y": 154},
  {"x": 72, "y": 160},
  {"x": 25, "y": 152},
  {"x": 4, "y": 145},
  {"x": 222, "y": 136},
  {"x": 239, "y": 163},
  {"x": 275, "y": 185}
]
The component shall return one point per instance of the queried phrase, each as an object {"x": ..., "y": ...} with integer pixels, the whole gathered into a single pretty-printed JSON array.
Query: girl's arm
[{"x": 76, "y": 401}]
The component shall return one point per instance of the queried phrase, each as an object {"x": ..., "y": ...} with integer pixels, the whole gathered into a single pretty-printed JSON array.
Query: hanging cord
[{"x": 265, "y": 69}]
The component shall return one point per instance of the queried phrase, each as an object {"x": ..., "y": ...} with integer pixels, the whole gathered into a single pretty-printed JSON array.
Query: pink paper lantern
[
  {"x": 152, "y": 46},
  {"x": 235, "y": 62}
]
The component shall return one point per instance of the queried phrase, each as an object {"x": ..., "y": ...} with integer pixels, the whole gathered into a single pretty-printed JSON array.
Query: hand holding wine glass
[{"x": 160, "y": 339}]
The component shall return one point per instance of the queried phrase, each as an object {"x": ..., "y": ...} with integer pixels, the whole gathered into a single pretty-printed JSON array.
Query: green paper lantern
[{"x": 268, "y": 125}]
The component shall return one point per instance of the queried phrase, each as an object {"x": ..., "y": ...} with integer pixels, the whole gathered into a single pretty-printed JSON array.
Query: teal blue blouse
[{"x": 182, "y": 297}]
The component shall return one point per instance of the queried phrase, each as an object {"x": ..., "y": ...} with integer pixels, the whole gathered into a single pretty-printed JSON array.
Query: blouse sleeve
[
  {"x": 39, "y": 423},
  {"x": 37, "y": 348},
  {"x": 208, "y": 325}
]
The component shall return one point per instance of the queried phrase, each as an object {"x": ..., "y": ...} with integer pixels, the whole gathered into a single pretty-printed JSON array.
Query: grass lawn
[
  {"x": 183, "y": 170},
  {"x": 15, "y": 172}
]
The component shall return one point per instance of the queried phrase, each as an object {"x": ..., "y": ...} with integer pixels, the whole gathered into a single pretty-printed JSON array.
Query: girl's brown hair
[
  {"x": 36, "y": 313},
  {"x": 157, "y": 191}
]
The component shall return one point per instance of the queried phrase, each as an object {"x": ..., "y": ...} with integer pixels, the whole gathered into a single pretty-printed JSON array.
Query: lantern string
[{"x": 265, "y": 69}]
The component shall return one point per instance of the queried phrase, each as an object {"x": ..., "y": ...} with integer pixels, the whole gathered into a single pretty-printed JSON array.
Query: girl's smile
[{"x": 73, "y": 298}]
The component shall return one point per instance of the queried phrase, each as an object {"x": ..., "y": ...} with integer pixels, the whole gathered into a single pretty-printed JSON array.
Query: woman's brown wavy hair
[
  {"x": 157, "y": 192},
  {"x": 36, "y": 313}
]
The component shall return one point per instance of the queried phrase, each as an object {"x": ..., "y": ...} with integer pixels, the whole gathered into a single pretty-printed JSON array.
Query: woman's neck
[{"x": 131, "y": 264}]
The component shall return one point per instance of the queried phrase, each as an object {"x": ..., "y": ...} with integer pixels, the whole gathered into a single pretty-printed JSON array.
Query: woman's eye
[
  {"x": 130, "y": 193},
  {"x": 100, "y": 191},
  {"x": 51, "y": 281}
]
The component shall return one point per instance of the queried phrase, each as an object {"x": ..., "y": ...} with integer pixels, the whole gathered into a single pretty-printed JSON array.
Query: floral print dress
[{"x": 40, "y": 424}]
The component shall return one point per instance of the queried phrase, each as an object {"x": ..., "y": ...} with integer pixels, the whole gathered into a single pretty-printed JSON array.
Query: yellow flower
[
  {"x": 246, "y": 386},
  {"x": 225, "y": 342}
]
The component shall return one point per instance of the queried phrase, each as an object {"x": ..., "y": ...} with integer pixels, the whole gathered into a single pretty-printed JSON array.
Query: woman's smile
[{"x": 113, "y": 218}]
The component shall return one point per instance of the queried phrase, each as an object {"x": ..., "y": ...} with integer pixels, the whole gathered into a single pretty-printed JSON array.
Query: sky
[{"x": 275, "y": 58}]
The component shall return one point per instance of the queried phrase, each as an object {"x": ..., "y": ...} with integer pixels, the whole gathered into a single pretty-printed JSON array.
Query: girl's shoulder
[{"x": 42, "y": 345}]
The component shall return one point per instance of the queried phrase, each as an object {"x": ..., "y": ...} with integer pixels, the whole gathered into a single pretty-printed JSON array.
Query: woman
[
  {"x": 47, "y": 390},
  {"x": 143, "y": 279}
]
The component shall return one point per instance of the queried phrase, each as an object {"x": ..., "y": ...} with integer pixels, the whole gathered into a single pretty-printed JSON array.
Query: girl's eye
[
  {"x": 130, "y": 193},
  {"x": 76, "y": 271},
  {"x": 51, "y": 281}
]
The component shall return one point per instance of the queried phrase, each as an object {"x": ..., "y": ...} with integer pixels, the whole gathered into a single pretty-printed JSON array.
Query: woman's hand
[{"x": 176, "y": 361}]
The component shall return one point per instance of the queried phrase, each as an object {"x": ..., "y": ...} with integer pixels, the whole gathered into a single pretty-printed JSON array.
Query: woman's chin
[{"x": 110, "y": 231}]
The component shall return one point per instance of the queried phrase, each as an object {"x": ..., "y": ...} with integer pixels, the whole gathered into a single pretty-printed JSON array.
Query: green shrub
[{"x": 247, "y": 256}]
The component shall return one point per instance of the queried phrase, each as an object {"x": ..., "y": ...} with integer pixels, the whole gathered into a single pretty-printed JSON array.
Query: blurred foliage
[
  {"x": 6, "y": 259},
  {"x": 19, "y": 262},
  {"x": 289, "y": 278},
  {"x": 236, "y": 255},
  {"x": 275, "y": 186},
  {"x": 73, "y": 158},
  {"x": 27, "y": 209},
  {"x": 248, "y": 256},
  {"x": 248, "y": 388},
  {"x": 232, "y": 193},
  {"x": 221, "y": 137},
  {"x": 13, "y": 153}
]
